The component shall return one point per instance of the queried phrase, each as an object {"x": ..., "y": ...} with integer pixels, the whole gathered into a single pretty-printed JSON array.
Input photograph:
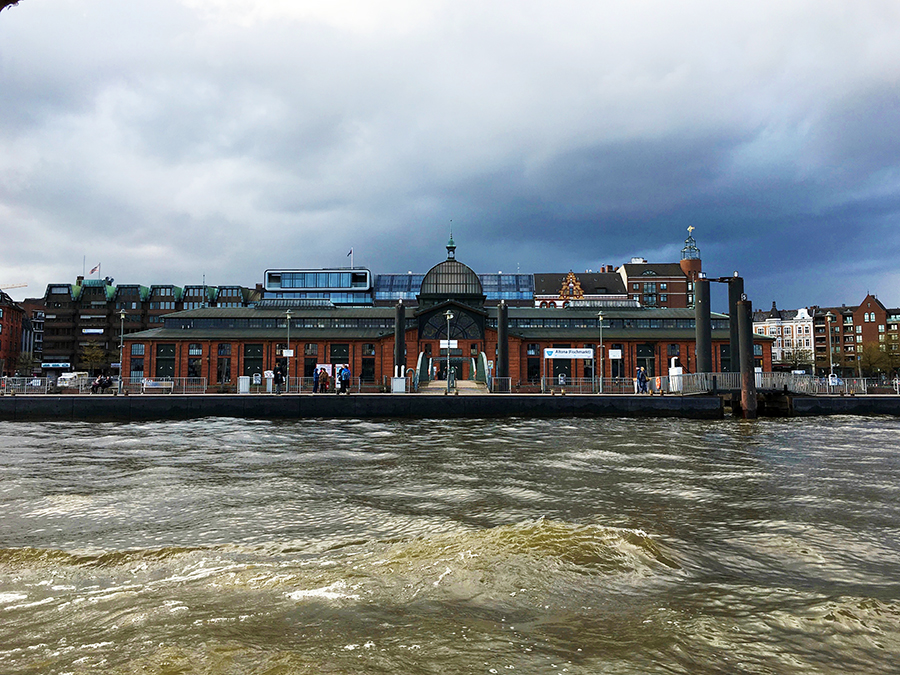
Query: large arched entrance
[{"x": 451, "y": 307}]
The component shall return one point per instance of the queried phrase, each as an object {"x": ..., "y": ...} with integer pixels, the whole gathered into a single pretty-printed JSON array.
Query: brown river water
[{"x": 451, "y": 546}]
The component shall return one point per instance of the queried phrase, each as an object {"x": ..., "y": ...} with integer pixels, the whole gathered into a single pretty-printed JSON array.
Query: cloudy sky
[{"x": 178, "y": 140}]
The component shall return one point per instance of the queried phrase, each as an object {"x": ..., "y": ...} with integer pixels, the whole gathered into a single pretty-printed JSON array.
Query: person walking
[{"x": 642, "y": 380}]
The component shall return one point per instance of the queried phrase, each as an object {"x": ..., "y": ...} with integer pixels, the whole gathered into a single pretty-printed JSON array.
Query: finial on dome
[{"x": 451, "y": 247}]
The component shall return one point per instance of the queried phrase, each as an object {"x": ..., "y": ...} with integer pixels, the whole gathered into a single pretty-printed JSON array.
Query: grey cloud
[{"x": 554, "y": 137}]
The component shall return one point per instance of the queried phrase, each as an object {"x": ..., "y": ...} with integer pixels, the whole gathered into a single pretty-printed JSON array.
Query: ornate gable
[{"x": 571, "y": 288}]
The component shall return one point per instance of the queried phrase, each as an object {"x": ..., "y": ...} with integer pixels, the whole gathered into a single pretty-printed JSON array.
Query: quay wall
[
  {"x": 845, "y": 405},
  {"x": 174, "y": 406}
]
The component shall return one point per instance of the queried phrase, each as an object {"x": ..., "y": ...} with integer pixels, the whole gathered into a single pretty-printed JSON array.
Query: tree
[
  {"x": 893, "y": 357},
  {"x": 94, "y": 356},
  {"x": 873, "y": 360},
  {"x": 798, "y": 357},
  {"x": 25, "y": 364}
]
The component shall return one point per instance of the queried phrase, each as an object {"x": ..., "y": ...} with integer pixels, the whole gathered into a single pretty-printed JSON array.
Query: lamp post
[
  {"x": 600, "y": 369},
  {"x": 287, "y": 380},
  {"x": 829, "y": 317},
  {"x": 121, "y": 345},
  {"x": 449, "y": 316}
]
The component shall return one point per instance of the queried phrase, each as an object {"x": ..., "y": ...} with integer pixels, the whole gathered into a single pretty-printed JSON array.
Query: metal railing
[
  {"x": 691, "y": 383},
  {"x": 499, "y": 385},
  {"x": 161, "y": 385},
  {"x": 25, "y": 385}
]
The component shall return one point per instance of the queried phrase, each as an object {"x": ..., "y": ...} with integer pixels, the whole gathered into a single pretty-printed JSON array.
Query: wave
[
  {"x": 28, "y": 557},
  {"x": 586, "y": 547},
  {"x": 589, "y": 548}
]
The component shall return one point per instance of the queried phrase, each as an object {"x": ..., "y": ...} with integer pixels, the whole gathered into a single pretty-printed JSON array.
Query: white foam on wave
[
  {"x": 6, "y": 598},
  {"x": 335, "y": 591}
]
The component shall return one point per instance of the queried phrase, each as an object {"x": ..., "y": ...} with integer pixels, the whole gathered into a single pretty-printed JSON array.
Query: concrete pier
[{"x": 306, "y": 406}]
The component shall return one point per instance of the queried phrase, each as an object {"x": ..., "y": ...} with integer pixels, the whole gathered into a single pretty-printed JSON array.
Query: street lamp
[
  {"x": 287, "y": 380},
  {"x": 121, "y": 345},
  {"x": 449, "y": 316},
  {"x": 600, "y": 369},
  {"x": 829, "y": 317}
]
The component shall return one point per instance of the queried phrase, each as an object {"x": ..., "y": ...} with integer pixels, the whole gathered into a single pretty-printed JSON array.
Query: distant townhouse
[{"x": 792, "y": 330}]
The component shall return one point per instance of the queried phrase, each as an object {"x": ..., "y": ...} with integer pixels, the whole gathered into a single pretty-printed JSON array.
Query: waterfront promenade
[
  {"x": 358, "y": 406},
  {"x": 373, "y": 406}
]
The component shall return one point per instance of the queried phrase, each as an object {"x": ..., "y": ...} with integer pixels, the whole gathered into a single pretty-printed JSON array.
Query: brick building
[
  {"x": 12, "y": 324},
  {"x": 221, "y": 344},
  {"x": 83, "y": 322},
  {"x": 863, "y": 340}
]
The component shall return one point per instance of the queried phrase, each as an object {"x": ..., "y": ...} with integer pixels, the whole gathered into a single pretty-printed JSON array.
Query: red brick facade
[{"x": 12, "y": 318}]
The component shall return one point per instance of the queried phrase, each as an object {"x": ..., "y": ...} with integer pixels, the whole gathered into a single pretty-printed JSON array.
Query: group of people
[
  {"x": 322, "y": 380},
  {"x": 101, "y": 384}
]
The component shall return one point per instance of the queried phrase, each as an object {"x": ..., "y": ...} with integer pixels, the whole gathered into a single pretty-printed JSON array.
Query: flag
[
  {"x": 351, "y": 253},
  {"x": 95, "y": 269}
]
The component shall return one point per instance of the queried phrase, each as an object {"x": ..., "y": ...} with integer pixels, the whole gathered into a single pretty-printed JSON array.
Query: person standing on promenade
[
  {"x": 345, "y": 378},
  {"x": 323, "y": 381},
  {"x": 316, "y": 381},
  {"x": 278, "y": 376}
]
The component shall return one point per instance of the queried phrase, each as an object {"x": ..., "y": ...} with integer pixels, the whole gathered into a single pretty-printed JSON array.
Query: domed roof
[{"x": 449, "y": 279}]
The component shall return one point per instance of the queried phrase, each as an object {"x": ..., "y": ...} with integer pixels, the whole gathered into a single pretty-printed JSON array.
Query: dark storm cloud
[{"x": 553, "y": 137}]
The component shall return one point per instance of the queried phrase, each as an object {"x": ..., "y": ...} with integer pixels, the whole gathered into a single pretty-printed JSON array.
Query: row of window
[
  {"x": 224, "y": 349},
  {"x": 336, "y": 297},
  {"x": 537, "y": 322},
  {"x": 253, "y": 361},
  {"x": 318, "y": 279},
  {"x": 279, "y": 322}
]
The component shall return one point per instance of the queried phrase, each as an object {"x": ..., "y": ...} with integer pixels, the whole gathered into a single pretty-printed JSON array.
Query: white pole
[{"x": 287, "y": 387}]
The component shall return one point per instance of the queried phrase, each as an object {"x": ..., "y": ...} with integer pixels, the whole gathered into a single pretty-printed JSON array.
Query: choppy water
[{"x": 467, "y": 546}]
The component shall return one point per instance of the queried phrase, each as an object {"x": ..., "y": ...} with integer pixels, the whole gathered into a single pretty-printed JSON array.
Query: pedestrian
[
  {"x": 323, "y": 381},
  {"x": 642, "y": 380},
  {"x": 315, "y": 380},
  {"x": 345, "y": 379},
  {"x": 278, "y": 376}
]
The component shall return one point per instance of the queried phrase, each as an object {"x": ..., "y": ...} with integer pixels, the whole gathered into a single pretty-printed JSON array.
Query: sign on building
[{"x": 568, "y": 353}]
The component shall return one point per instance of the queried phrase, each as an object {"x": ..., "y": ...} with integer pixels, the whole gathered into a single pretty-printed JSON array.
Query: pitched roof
[
  {"x": 592, "y": 283},
  {"x": 659, "y": 269}
]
